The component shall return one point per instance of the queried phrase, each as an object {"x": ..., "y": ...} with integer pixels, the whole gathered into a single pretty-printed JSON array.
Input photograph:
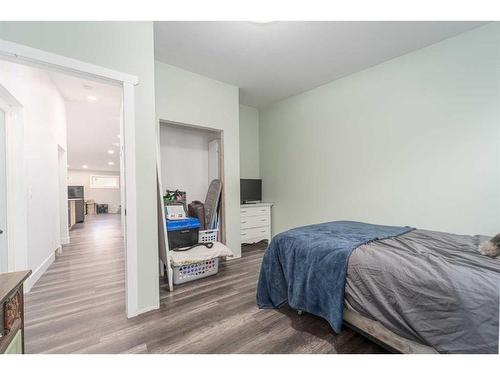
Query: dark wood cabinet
[{"x": 12, "y": 312}]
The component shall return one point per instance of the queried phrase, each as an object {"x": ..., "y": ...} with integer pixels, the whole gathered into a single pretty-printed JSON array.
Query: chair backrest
[{"x": 212, "y": 202}]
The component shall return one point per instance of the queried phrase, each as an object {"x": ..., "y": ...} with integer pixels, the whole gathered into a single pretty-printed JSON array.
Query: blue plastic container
[
  {"x": 183, "y": 233},
  {"x": 187, "y": 223}
]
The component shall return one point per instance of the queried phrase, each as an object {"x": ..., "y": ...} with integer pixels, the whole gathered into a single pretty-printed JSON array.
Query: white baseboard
[
  {"x": 233, "y": 257},
  {"x": 65, "y": 240},
  {"x": 36, "y": 274},
  {"x": 142, "y": 311}
]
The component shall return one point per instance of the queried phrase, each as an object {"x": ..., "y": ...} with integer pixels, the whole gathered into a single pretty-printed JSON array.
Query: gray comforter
[{"x": 431, "y": 287}]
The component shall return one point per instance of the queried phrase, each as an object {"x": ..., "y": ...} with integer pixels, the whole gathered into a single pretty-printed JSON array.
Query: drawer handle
[
  {"x": 243, "y": 212},
  {"x": 243, "y": 222},
  {"x": 263, "y": 231},
  {"x": 243, "y": 234},
  {"x": 263, "y": 219}
]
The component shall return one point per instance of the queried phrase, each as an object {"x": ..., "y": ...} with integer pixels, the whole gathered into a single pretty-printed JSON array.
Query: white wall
[
  {"x": 92, "y": 130},
  {"x": 126, "y": 47},
  {"x": 44, "y": 132},
  {"x": 413, "y": 141},
  {"x": 184, "y": 153},
  {"x": 189, "y": 98},
  {"x": 111, "y": 197},
  {"x": 249, "y": 142}
]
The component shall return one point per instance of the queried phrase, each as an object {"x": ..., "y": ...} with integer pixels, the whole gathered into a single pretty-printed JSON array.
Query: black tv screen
[
  {"x": 75, "y": 192},
  {"x": 250, "y": 190}
]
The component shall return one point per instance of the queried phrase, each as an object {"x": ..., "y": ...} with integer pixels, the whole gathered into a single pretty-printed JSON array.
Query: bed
[{"x": 411, "y": 290}]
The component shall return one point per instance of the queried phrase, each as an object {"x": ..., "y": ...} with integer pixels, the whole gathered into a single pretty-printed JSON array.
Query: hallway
[{"x": 83, "y": 290}]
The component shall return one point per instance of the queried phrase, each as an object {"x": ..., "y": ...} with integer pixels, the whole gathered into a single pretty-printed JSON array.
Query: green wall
[
  {"x": 412, "y": 141},
  {"x": 192, "y": 99},
  {"x": 126, "y": 47},
  {"x": 249, "y": 142}
]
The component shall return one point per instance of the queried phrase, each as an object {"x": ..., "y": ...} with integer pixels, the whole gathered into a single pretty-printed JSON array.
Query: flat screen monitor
[
  {"x": 250, "y": 190},
  {"x": 75, "y": 192}
]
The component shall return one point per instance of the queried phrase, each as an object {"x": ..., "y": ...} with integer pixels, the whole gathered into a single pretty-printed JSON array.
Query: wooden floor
[{"x": 78, "y": 306}]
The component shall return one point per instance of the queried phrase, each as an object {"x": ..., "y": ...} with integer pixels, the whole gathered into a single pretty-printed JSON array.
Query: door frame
[
  {"x": 13, "y": 134},
  {"x": 25, "y": 55},
  {"x": 164, "y": 246}
]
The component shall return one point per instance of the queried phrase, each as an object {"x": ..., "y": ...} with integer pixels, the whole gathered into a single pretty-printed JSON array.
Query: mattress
[{"x": 429, "y": 287}]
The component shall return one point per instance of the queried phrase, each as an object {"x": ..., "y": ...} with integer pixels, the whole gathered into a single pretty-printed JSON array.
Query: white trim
[
  {"x": 11, "y": 50},
  {"x": 36, "y": 274},
  {"x": 122, "y": 170},
  {"x": 31, "y": 56},
  {"x": 163, "y": 246},
  {"x": 62, "y": 175},
  {"x": 16, "y": 216},
  {"x": 130, "y": 209},
  {"x": 5, "y": 108}
]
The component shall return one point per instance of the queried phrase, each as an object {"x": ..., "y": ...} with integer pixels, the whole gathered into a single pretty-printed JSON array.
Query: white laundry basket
[
  {"x": 190, "y": 272},
  {"x": 210, "y": 235},
  {"x": 195, "y": 271}
]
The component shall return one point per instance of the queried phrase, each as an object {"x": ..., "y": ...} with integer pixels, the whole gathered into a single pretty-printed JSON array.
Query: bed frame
[{"x": 376, "y": 332}]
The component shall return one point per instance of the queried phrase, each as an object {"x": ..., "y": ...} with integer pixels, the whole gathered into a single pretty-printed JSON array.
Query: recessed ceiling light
[
  {"x": 111, "y": 163},
  {"x": 92, "y": 98},
  {"x": 111, "y": 152},
  {"x": 85, "y": 166}
]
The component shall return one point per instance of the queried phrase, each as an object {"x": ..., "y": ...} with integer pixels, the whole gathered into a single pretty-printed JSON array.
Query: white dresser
[{"x": 255, "y": 222}]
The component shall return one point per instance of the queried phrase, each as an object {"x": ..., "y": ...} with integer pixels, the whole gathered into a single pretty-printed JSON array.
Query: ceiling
[
  {"x": 93, "y": 126},
  {"x": 272, "y": 61}
]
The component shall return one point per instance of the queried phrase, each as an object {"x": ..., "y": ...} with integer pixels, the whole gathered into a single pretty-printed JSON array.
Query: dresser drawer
[
  {"x": 254, "y": 211},
  {"x": 255, "y": 221},
  {"x": 255, "y": 234}
]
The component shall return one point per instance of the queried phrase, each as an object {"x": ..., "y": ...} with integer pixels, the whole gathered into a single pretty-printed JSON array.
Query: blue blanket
[{"x": 306, "y": 267}]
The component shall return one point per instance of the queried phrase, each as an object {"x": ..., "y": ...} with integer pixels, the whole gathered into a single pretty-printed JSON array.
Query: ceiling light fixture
[
  {"x": 111, "y": 163},
  {"x": 111, "y": 152},
  {"x": 92, "y": 98},
  {"x": 85, "y": 166}
]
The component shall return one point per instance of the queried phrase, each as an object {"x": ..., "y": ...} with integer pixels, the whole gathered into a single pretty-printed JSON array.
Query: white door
[{"x": 3, "y": 196}]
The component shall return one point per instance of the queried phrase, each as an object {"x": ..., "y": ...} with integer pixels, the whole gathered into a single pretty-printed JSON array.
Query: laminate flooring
[{"x": 78, "y": 306}]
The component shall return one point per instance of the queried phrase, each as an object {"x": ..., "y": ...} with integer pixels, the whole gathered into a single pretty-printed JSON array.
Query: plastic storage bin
[
  {"x": 183, "y": 232},
  {"x": 208, "y": 235},
  {"x": 190, "y": 272}
]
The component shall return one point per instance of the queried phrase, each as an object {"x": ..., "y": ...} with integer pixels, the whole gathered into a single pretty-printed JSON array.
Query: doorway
[
  {"x": 3, "y": 194},
  {"x": 52, "y": 62},
  {"x": 190, "y": 158}
]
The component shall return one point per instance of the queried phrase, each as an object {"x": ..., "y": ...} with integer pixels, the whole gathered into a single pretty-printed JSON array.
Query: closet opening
[{"x": 190, "y": 178}]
